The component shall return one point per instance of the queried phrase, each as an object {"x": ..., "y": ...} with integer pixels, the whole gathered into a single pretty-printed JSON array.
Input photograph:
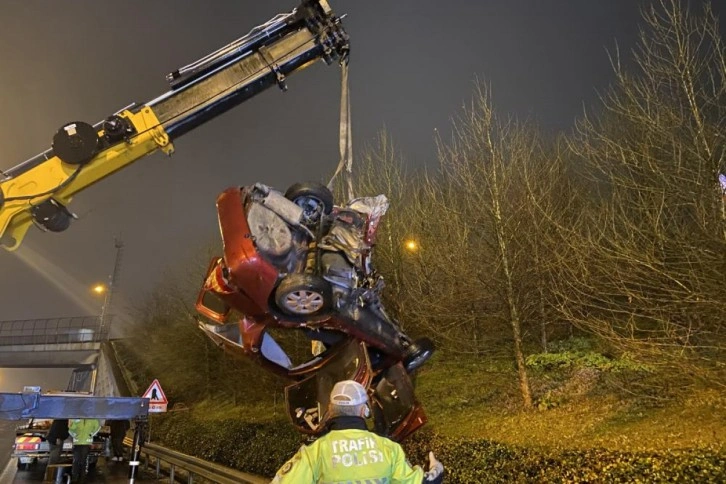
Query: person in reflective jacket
[
  {"x": 350, "y": 453},
  {"x": 82, "y": 430}
]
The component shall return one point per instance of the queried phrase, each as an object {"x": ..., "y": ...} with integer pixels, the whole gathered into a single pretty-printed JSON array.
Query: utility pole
[{"x": 104, "y": 323}]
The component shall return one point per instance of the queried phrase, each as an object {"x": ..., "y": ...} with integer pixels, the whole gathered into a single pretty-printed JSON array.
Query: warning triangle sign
[{"x": 157, "y": 399}]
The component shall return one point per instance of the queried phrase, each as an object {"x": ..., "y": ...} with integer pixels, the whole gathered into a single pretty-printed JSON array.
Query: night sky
[{"x": 413, "y": 65}]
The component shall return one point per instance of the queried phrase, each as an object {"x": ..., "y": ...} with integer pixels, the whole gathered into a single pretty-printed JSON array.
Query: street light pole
[{"x": 108, "y": 299}]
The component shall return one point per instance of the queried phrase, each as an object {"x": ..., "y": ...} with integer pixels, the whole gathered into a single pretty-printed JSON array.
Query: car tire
[
  {"x": 21, "y": 466},
  {"x": 314, "y": 198},
  {"x": 303, "y": 295},
  {"x": 417, "y": 354}
]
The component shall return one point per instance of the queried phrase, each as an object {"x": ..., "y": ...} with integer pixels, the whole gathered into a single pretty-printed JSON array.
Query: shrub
[
  {"x": 482, "y": 461},
  {"x": 261, "y": 448},
  {"x": 257, "y": 448},
  {"x": 576, "y": 353}
]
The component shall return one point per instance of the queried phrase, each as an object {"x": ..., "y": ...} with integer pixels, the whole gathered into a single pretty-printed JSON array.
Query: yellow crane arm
[
  {"x": 42, "y": 192},
  {"x": 38, "y": 190}
]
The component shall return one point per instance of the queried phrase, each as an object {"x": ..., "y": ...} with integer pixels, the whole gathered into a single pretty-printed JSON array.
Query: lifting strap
[
  {"x": 346, "y": 155},
  {"x": 346, "y": 135}
]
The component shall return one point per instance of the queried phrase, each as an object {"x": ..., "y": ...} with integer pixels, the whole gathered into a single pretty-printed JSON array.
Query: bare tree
[
  {"x": 646, "y": 270},
  {"x": 381, "y": 170},
  {"x": 554, "y": 206},
  {"x": 483, "y": 185}
]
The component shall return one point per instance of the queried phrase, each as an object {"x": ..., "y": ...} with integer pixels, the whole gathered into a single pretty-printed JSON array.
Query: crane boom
[{"x": 38, "y": 190}]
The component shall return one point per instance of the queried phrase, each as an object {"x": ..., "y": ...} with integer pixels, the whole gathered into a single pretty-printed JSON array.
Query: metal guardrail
[
  {"x": 81, "y": 329},
  {"x": 193, "y": 467}
]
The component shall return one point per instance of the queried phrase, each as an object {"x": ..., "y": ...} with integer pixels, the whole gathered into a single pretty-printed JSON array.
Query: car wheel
[
  {"x": 417, "y": 354},
  {"x": 314, "y": 198},
  {"x": 303, "y": 295},
  {"x": 21, "y": 466}
]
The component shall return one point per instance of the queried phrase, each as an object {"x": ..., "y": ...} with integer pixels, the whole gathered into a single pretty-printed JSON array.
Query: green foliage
[
  {"x": 482, "y": 461},
  {"x": 574, "y": 368},
  {"x": 261, "y": 448},
  {"x": 578, "y": 353},
  {"x": 255, "y": 447},
  {"x": 529, "y": 446}
]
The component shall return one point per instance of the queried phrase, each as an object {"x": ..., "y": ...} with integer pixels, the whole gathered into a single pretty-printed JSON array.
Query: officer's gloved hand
[{"x": 435, "y": 474}]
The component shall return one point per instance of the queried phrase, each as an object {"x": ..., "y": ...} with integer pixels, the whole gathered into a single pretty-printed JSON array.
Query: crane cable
[
  {"x": 346, "y": 156},
  {"x": 346, "y": 134}
]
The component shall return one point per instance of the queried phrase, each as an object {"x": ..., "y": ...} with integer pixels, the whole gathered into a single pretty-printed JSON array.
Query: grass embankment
[
  {"x": 590, "y": 430},
  {"x": 479, "y": 399}
]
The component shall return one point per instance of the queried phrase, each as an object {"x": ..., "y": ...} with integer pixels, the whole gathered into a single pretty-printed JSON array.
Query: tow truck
[
  {"x": 38, "y": 191},
  {"x": 31, "y": 444}
]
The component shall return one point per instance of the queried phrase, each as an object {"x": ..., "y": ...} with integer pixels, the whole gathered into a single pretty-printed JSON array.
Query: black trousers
[
  {"x": 80, "y": 461},
  {"x": 55, "y": 452},
  {"x": 117, "y": 443}
]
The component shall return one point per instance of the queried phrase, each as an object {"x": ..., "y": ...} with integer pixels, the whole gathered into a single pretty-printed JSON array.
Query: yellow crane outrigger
[{"x": 38, "y": 190}]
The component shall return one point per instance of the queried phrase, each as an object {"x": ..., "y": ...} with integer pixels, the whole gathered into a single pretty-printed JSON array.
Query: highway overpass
[{"x": 74, "y": 342}]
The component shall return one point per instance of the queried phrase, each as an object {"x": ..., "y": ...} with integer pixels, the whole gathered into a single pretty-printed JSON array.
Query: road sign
[{"x": 157, "y": 399}]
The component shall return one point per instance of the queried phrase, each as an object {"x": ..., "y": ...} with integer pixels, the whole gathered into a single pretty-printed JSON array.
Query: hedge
[{"x": 261, "y": 448}]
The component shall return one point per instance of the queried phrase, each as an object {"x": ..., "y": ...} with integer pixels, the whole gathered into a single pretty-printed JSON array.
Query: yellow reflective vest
[
  {"x": 349, "y": 456},
  {"x": 83, "y": 429}
]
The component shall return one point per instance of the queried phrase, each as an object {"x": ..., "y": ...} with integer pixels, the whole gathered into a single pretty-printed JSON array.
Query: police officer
[
  {"x": 82, "y": 430},
  {"x": 350, "y": 453}
]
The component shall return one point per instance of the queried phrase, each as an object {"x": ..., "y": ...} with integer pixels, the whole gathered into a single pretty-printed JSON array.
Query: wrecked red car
[{"x": 296, "y": 260}]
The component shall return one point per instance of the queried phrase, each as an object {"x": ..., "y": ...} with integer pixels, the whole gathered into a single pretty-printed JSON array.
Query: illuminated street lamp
[
  {"x": 107, "y": 291},
  {"x": 102, "y": 290},
  {"x": 411, "y": 245}
]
